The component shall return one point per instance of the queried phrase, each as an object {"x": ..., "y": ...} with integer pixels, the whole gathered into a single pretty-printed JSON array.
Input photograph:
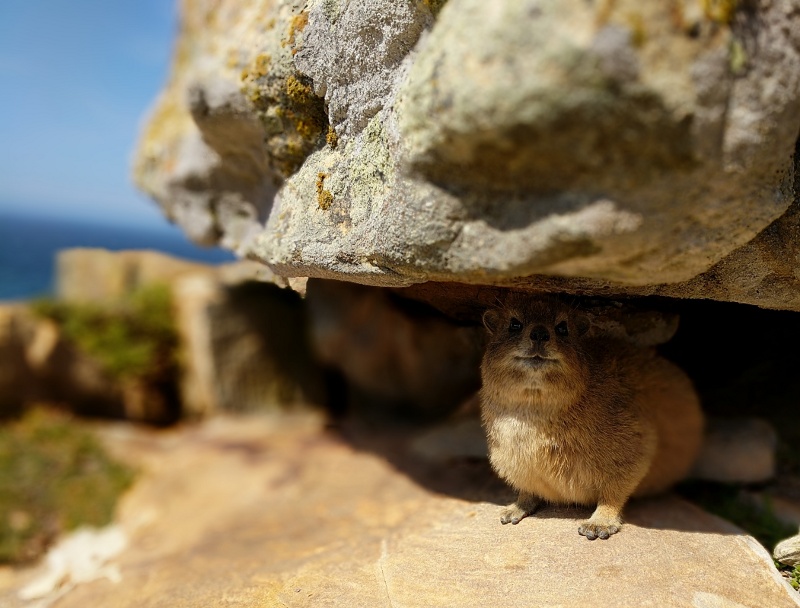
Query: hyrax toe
[
  {"x": 594, "y": 529},
  {"x": 512, "y": 514}
]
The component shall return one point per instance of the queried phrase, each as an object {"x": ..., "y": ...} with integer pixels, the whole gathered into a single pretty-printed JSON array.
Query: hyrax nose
[{"x": 540, "y": 334}]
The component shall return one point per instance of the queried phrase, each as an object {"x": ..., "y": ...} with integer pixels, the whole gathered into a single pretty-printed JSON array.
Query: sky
[{"x": 77, "y": 78}]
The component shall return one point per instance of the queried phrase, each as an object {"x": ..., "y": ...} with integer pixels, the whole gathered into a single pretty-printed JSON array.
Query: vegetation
[
  {"x": 792, "y": 574},
  {"x": 136, "y": 339},
  {"x": 54, "y": 476}
]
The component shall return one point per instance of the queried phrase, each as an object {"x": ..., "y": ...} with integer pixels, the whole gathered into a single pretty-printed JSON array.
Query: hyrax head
[{"x": 534, "y": 339}]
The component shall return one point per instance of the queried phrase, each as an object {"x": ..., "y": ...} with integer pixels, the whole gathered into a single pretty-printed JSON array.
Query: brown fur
[{"x": 593, "y": 422}]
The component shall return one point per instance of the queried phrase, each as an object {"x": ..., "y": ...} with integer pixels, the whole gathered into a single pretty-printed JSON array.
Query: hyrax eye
[
  {"x": 562, "y": 329},
  {"x": 515, "y": 326}
]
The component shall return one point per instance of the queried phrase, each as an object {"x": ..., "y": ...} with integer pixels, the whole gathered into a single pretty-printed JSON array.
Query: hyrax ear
[
  {"x": 582, "y": 323},
  {"x": 491, "y": 320}
]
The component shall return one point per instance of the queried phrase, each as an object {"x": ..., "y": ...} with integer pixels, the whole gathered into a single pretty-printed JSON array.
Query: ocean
[{"x": 28, "y": 246}]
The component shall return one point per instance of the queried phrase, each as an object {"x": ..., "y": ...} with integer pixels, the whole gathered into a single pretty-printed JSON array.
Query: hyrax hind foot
[
  {"x": 599, "y": 527},
  {"x": 513, "y": 514}
]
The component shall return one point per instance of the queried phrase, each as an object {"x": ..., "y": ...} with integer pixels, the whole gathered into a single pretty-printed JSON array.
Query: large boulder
[{"x": 612, "y": 148}]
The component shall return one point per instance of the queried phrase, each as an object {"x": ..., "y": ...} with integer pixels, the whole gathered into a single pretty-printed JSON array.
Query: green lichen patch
[
  {"x": 372, "y": 168},
  {"x": 134, "y": 339},
  {"x": 54, "y": 476},
  {"x": 738, "y": 57}
]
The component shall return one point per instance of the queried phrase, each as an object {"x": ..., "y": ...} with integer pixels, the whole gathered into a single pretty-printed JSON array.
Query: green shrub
[
  {"x": 793, "y": 574},
  {"x": 135, "y": 338},
  {"x": 54, "y": 476}
]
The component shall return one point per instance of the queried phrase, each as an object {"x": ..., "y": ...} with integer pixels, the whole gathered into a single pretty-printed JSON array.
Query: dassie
[{"x": 581, "y": 420}]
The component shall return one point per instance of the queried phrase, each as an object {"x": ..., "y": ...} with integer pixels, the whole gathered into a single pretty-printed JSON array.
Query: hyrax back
[{"x": 573, "y": 419}]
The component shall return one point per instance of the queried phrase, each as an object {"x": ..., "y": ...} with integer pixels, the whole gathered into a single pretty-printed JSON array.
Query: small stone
[
  {"x": 788, "y": 551},
  {"x": 737, "y": 451}
]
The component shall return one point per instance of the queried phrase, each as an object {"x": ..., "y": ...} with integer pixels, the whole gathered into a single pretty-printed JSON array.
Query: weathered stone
[
  {"x": 242, "y": 341},
  {"x": 244, "y": 347},
  {"x": 567, "y": 232},
  {"x": 788, "y": 551},
  {"x": 263, "y": 512},
  {"x": 737, "y": 451},
  {"x": 235, "y": 118},
  {"x": 40, "y": 364},
  {"x": 97, "y": 275},
  {"x": 395, "y": 353},
  {"x": 354, "y": 53},
  {"x": 16, "y": 377}
]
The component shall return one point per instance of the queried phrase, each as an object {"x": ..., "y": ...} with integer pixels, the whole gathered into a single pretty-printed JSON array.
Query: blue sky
[{"x": 77, "y": 78}]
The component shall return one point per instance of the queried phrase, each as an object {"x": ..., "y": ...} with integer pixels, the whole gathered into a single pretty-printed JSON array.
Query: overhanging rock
[{"x": 613, "y": 148}]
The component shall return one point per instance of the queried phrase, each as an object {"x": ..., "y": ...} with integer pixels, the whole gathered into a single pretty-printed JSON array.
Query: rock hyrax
[{"x": 581, "y": 420}]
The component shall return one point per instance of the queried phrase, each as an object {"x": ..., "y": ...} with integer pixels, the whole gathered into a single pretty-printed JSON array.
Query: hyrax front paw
[
  {"x": 597, "y": 528},
  {"x": 513, "y": 514}
]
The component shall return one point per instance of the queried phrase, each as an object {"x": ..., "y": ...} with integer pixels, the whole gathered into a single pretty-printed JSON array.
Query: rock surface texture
[
  {"x": 270, "y": 513},
  {"x": 613, "y": 148}
]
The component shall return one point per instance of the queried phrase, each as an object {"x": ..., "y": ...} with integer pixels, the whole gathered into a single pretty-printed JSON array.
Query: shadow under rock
[{"x": 472, "y": 479}]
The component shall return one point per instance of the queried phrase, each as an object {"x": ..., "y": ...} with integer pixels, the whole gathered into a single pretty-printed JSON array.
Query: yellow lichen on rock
[
  {"x": 247, "y": 45},
  {"x": 297, "y": 91},
  {"x": 297, "y": 24},
  {"x": 721, "y": 11},
  {"x": 261, "y": 65},
  {"x": 324, "y": 197},
  {"x": 331, "y": 137}
]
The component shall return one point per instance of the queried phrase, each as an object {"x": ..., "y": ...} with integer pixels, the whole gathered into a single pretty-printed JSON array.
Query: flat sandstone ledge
[{"x": 260, "y": 512}]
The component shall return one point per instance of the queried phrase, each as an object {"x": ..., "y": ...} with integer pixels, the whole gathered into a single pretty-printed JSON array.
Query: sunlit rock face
[{"x": 613, "y": 148}]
